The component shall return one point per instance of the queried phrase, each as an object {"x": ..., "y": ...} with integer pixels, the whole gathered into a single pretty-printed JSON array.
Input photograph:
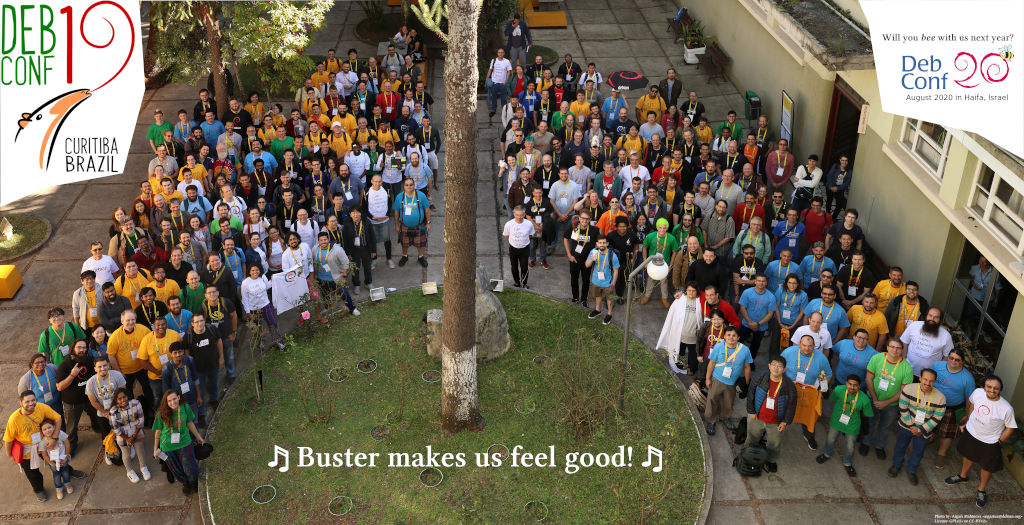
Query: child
[
  {"x": 55, "y": 453},
  {"x": 128, "y": 421}
]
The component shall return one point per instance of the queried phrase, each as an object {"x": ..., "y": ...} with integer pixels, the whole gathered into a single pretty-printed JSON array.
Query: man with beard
[
  {"x": 720, "y": 229},
  {"x": 72, "y": 375},
  {"x": 905, "y": 309},
  {"x": 890, "y": 288},
  {"x": 956, "y": 383},
  {"x": 711, "y": 301},
  {"x": 927, "y": 341},
  {"x": 854, "y": 280},
  {"x": 868, "y": 317},
  {"x": 833, "y": 314},
  {"x": 111, "y": 306}
]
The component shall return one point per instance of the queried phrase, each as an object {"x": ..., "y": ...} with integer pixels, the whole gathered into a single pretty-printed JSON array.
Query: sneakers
[
  {"x": 391, "y": 263},
  {"x": 771, "y": 467},
  {"x": 356, "y": 312},
  {"x": 982, "y": 499},
  {"x": 863, "y": 449},
  {"x": 106, "y": 458},
  {"x": 912, "y": 476},
  {"x": 357, "y": 290},
  {"x": 373, "y": 264},
  {"x": 145, "y": 473},
  {"x": 402, "y": 261},
  {"x": 710, "y": 428},
  {"x": 545, "y": 265},
  {"x": 68, "y": 488},
  {"x": 526, "y": 286},
  {"x": 811, "y": 442},
  {"x": 821, "y": 459},
  {"x": 533, "y": 263},
  {"x": 953, "y": 480},
  {"x": 607, "y": 319},
  {"x": 133, "y": 477},
  {"x": 423, "y": 261},
  {"x": 665, "y": 303},
  {"x": 41, "y": 496},
  {"x": 593, "y": 314},
  {"x": 852, "y": 472},
  {"x": 940, "y": 462},
  {"x": 880, "y": 453},
  {"x": 60, "y": 493},
  {"x": 644, "y": 299},
  {"x": 490, "y": 115},
  {"x": 170, "y": 476},
  {"x": 894, "y": 471}
]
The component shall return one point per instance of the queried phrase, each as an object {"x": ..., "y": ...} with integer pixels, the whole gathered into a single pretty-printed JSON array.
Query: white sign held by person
[
  {"x": 72, "y": 81},
  {"x": 288, "y": 287},
  {"x": 950, "y": 63}
]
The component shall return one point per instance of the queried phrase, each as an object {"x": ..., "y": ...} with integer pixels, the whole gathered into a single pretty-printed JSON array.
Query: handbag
[
  {"x": 803, "y": 194},
  {"x": 489, "y": 82}
]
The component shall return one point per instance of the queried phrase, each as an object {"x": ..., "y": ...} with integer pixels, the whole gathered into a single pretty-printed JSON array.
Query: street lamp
[{"x": 656, "y": 270}]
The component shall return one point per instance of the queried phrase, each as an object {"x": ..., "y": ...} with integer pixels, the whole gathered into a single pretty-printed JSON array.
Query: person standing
[
  {"x": 362, "y": 248},
  {"x": 905, "y": 309},
  {"x": 517, "y": 34},
  {"x": 989, "y": 422},
  {"x": 888, "y": 373},
  {"x": 810, "y": 370},
  {"x": 412, "y": 221},
  {"x": 921, "y": 408},
  {"x": 728, "y": 359},
  {"x": 667, "y": 245},
  {"x": 771, "y": 408},
  {"x": 956, "y": 383},
  {"x": 604, "y": 270},
  {"x": 517, "y": 232},
  {"x": 497, "y": 75},
  {"x": 757, "y": 307},
  {"x": 100, "y": 389},
  {"x": 207, "y": 351},
  {"x": 580, "y": 239},
  {"x": 173, "y": 428},
  {"x": 927, "y": 341},
  {"x": 683, "y": 324},
  {"x": 846, "y": 421},
  {"x": 72, "y": 376},
  {"x": 55, "y": 341}
]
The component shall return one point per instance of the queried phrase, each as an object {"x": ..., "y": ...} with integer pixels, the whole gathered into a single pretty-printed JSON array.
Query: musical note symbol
[
  {"x": 651, "y": 451},
  {"x": 283, "y": 452}
]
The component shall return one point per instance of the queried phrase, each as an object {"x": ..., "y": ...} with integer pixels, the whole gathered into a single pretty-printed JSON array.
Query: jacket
[
  {"x": 110, "y": 313},
  {"x": 672, "y": 98},
  {"x": 785, "y": 401},
  {"x": 526, "y": 31},
  {"x": 368, "y": 242},
  {"x": 832, "y": 179},
  {"x": 681, "y": 268},
  {"x": 336, "y": 259},
  {"x": 892, "y": 311},
  {"x": 80, "y": 305}
]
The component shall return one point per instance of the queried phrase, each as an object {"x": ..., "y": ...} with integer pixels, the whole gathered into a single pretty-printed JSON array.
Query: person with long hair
[
  {"x": 173, "y": 430},
  {"x": 139, "y": 214},
  {"x": 256, "y": 302},
  {"x": 117, "y": 216},
  {"x": 200, "y": 233},
  {"x": 273, "y": 248},
  {"x": 96, "y": 341},
  {"x": 128, "y": 421},
  {"x": 255, "y": 223}
]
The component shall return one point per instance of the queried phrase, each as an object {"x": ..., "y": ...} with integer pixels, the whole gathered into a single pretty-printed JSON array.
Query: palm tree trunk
[{"x": 209, "y": 14}]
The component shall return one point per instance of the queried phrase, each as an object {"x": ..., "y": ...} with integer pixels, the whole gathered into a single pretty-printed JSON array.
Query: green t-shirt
[
  {"x": 692, "y": 232},
  {"x": 278, "y": 147},
  {"x": 558, "y": 121},
  {"x": 665, "y": 246},
  {"x": 179, "y": 422},
  {"x": 58, "y": 346},
  {"x": 855, "y": 405},
  {"x": 894, "y": 376},
  {"x": 156, "y": 132}
]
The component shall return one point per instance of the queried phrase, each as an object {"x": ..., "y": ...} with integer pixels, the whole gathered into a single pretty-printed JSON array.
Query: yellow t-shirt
[
  {"x": 267, "y": 135},
  {"x": 907, "y": 313},
  {"x": 131, "y": 286},
  {"x": 362, "y": 137},
  {"x": 348, "y": 123},
  {"x": 169, "y": 289},
  {"x": 885, "y": 292},
  {"x": 332, "y": 66},
  {"x": 121, "y": 346},
  {"x": 199, "y": 173},
  {"x": 874, "y": 323},
  {"x": 383, "y": 137},
  {"x": 21, "y": 428},
  {"x": 704, "y": 135},
  {"x": 93, "y": 314},
  {"x": 580, "y": 109},
  {"x": 646, "y": 103},
  {"x": 320, "y": 79},
  {"x": 256, "y": 111},
  {"x": 341, "y": 144},
  {"x": 631, "y": 145},
  {"x": 172, "y": 195},
  {"x": 155, "y": 350}
]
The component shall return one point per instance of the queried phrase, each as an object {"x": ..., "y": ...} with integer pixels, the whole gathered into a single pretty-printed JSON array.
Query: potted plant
[{"x": 694, "y": 42}]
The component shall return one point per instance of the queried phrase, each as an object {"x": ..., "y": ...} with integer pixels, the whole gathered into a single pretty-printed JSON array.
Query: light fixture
[{"x": 657, "y": 270}]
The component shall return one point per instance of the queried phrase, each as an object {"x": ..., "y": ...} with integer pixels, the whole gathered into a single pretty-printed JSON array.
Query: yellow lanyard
[
  {"x": 781, "y": 160},
  {"x": 729, "y": 358},
  {"x": 730, "y": 158},
  {"x": 185, "y": 368},
  {"x": 855, "y": 398},
  {"x": 146, "y": 314},
  {"x": 852, "y": 279},
  {"x": 745, "y": 267},
  {"x": 800, "y": 358},
  {"x": 913, "y": 312},
  {"x": 46, "y": 374},
  {"x": 659, "y": 245},
  {"x": 601, "y": 261},
  {"x": 294, "y": 258},
  {"x": 160, "y": 350},
  {"x": 893, "y": 369},
  {"x": 821, "y": 306},
  {"x": 761, "y": 134},
  {"x": 818, "y": 273},
  {"x": 786, "y": 301},
  {"x": 743, "y": 216},
  {"x": 787, "y": 272},
  {"x": 177, "y": 322},
  {"x": 927, "y": 403},
  {"x": 130, "y": 418}
]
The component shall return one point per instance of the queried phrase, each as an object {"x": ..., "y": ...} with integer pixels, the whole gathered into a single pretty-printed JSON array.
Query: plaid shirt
[{"x": 125, "y": 422}]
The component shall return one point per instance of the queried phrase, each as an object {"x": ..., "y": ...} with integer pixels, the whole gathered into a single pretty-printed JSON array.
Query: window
[
  {"x": 982, "y": 302},
  {"x": 998, "y": 203},
  {"x": 929, "y": 144}
]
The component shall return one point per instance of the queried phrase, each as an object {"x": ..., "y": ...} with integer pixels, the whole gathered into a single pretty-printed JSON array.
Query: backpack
[{"x": 750, "y": 461}]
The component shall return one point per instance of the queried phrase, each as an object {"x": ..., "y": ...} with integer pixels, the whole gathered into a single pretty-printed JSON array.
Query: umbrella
[{"x": 626, "y": 80}]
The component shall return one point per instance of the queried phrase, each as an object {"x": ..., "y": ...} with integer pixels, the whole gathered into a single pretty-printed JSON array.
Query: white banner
[
  {"x": 71, "y": 83},
  {"x": 949, "y": 62},
  {"x": 288, "y": 288}
]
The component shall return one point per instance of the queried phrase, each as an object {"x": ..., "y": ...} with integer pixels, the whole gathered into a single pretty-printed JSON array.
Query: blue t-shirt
[
  {"x": 420, "y": 175},
  {"x": 212, "y": 131},
  {"x": 758, "y": 305},
  {"x": 412, "y": 209},
  {"x": 851, "y": 360},
  {"x": 777, "y": 273},
  {"x": 732, "y": 361},
  {"x": 834, "y": 316},
  {"x": 956, "y": 387},
  {"x": 602, "y": 267},
  {"x": 179, "y": 323},
  {"x": 790, "y": 304},
  {"x": 812, "y": 269},
  {"x": 320, "y": 263},
  {"x": 269, "y": 162},
  {"x": 789, "y": 237},
  {"x": 812, "y": 366}
]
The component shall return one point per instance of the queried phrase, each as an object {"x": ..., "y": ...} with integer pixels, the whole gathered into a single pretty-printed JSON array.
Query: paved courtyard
[{"x": 801, "y": 492}]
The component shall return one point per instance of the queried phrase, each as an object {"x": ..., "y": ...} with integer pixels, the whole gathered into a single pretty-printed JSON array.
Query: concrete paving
[{"x": 801, "y": 492}]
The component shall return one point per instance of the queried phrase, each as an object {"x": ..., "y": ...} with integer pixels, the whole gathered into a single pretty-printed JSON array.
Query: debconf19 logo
[
  {"x": 927, "y": 73},
  {"x": 36, "y": 39}
]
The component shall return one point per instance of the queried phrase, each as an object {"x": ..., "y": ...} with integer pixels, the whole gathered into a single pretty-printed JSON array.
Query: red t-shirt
[
  {"x": 714, "y": 336},
  {"x": 816, "y": 225},
  {"x": 770, "y": 415}
]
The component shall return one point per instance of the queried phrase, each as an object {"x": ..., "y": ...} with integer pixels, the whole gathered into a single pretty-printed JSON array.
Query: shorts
[
  {"x": 948, "y": 427},
  {"x": 413, "y": 236},
  {"x": 599, "y": 292}
]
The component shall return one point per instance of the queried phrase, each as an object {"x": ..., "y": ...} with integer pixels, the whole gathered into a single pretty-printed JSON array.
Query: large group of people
[
  {"x": 231, "y": 197},
  {"x": 763, "y": 251}
]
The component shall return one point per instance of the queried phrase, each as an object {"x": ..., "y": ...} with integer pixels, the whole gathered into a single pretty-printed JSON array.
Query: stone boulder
[{"x": 492, "y": 339}]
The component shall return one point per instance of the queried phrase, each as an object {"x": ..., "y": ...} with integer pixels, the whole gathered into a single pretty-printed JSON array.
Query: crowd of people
[
  {"x": 762, "y": 249},
  {"x": 232, "y": 196}
]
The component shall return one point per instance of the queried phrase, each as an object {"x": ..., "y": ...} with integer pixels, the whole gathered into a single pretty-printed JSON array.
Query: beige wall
[{"x": 1011, "y": 358}]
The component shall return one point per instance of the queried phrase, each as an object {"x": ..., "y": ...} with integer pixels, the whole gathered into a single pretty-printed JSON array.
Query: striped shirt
[{"x": 932, "y": 405}]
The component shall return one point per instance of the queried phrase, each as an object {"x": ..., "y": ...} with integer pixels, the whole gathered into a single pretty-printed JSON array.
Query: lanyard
[
  {"x": 146, "y": 314},
  {"x": 852, "y": 278},
  {"x": 927, "y": 403},
  {"x": 729, "y": 159},
  {"x": 659, "y": 245},
  {"x": 727, "y": 356},
  {"x": 46, "y": 374},
  {"x": 761, "y": 134},
  {"x": 800, "y": 358},
  {"x": 776, "y": 394},
  {"x": 818, "y": 273},
  {"x": 743, "y": 216},
  {"x": 821, "y": 306},
  {"x": 780, "y": 276},
  {"x": 893, "y": 369},
  {"x": 177, "y": 322},
  {"x": 130, "y": 418},
  {"x": 786, "y": 301},
  {"x": 912, "y": 312},
  {"x": 855, "y": 401},
  {"x": 176, "y": 376},
  {"x": 294, "y": 258},
  {"x": 601, "y": 261},
  {"x": 160, "y": 350},
  {"x": 781, "y": 160},
  {"x": 63, "y": 333}
]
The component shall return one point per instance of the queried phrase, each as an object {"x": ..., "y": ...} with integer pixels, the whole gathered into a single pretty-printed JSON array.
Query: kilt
[
  {"x": 988, "y": 456},
  {"x": 413, "y": 236},
  {"x": 948, "y": 427}
]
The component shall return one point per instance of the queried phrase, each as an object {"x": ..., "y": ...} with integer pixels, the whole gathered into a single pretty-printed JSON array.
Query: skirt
[{"x": 988, "y": 456}]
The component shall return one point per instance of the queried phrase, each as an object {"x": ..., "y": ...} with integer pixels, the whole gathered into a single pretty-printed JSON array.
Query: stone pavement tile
[
  {"x": 730, "y": 514},
  {"x": 576, "y": 5},
  {"x": 899, "y": 514},
  {"x": 812, "y": 513},
  {"x": 10, "y": 374},
  {"x": 645, "y": 48},
  {"x": 728, "y": 482},
  {"x": 656, "y": 14},
  {"x": 178, "y": 91},
  {"x": 111, "y": 489},
  {"x": 653, "y": 67},
  {"x": 45, "y": 521},
  {"x": 168, "y": 517},
  {"x": 638, "y": 29},
  {"x": 47, "y": 284},
  {"x": 718, "y": 106},
  {"x": 51, "y": 203},
  {"x": 541, "y": 36},
  {"x": 139, "y": 142},
  {"x": 605, "y": 48},
  {"x": 20, "y": 344},
  {"x": 800, "y": 476},
  {"x": 67, "y": 241},
  {"x": 628, "y": 16},
  {"x": 1002, "y": 482},
  {"x": 99, "y": 200},
  {"x": 992, "y": 508},
  {"x": 591, "y": 16},
  {"x": 597, "y": 30},
  {"x": 19, "y": 498},
  {"x": 485, "y": 201},
  {"x": 561, "y": 47},
  {"x": 873, "y": 477}
]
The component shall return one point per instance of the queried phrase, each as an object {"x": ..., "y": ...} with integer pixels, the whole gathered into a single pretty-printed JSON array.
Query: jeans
[
  {"x": 849, "y": 441},
  {"x": 880, "y": 423},
  {"x": 495, "y": 92},
  {"x": 60, "y": 476},
  {"x": 579, "y": 272},
  {"x": 229, "y": 357},
  {"x": 73, "y": 413},
  {"x": 538, "y": 249},
  {"x": 157, "y": 386},
  {"x": 917, "y": 444},
  {"x": 209, "y": 382}
]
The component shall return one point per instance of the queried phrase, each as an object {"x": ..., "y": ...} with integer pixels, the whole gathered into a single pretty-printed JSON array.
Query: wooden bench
[
  {"x": 678, "y": 27},
  {"x": 714, "y": 61}
]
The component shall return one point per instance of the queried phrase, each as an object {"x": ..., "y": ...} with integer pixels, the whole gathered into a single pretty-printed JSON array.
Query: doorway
[{"x": 844, "y": 118}]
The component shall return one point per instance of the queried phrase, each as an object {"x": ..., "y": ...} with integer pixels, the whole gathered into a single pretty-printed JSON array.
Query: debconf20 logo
[{"x": 923, "y": 73}]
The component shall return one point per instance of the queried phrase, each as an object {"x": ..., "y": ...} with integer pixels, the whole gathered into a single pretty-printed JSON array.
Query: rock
[{"x": 492, "y": 339}]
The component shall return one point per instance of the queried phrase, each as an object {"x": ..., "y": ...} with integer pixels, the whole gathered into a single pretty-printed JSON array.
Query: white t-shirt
[
  {"x": 518, "y": 233},
  {"x": 377, "y": 204},
  {"x": 822, "y": 339},
  {"x": 357, "y": 165},
  {"x": 924, "y": 350},
  {"x": 628, "y": 172},
  {"x": 183, "y": 187},
  {"x": 500, "y": 68},
  {"x": 254, "y": 293},
  {"x": 989, "y": 418},
  {"x": 104, "y": 268}
]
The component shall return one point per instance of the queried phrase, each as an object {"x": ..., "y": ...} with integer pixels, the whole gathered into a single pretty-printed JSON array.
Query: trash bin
[{"x": 752, "y": 103}]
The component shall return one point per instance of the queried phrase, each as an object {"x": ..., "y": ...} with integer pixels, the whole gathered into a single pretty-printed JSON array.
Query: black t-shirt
[
  {"x": 75, "y": 392},
  {"x": 534, "y": 209},
  {"x": 180, "y": 274},
  {"x": 623, "y": 245},
  {"x": 840, "y": 256},
  {"x": 219, "y": 317},
  {"x": 203, "y": 348},
  {"x": 581, "y": 241},
  {"x": 860, "y": 279},
  {"x": 146, "y": 316},
  {"x": 747, "y": 270},
  {"x": 620, "y": 128},
  {"x": 839, "y": 228}
]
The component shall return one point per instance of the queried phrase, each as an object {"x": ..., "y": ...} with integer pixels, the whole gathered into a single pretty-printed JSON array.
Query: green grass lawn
[
  {"x": 581, "y": 352},
  {"x": 28, "y": 231}
]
